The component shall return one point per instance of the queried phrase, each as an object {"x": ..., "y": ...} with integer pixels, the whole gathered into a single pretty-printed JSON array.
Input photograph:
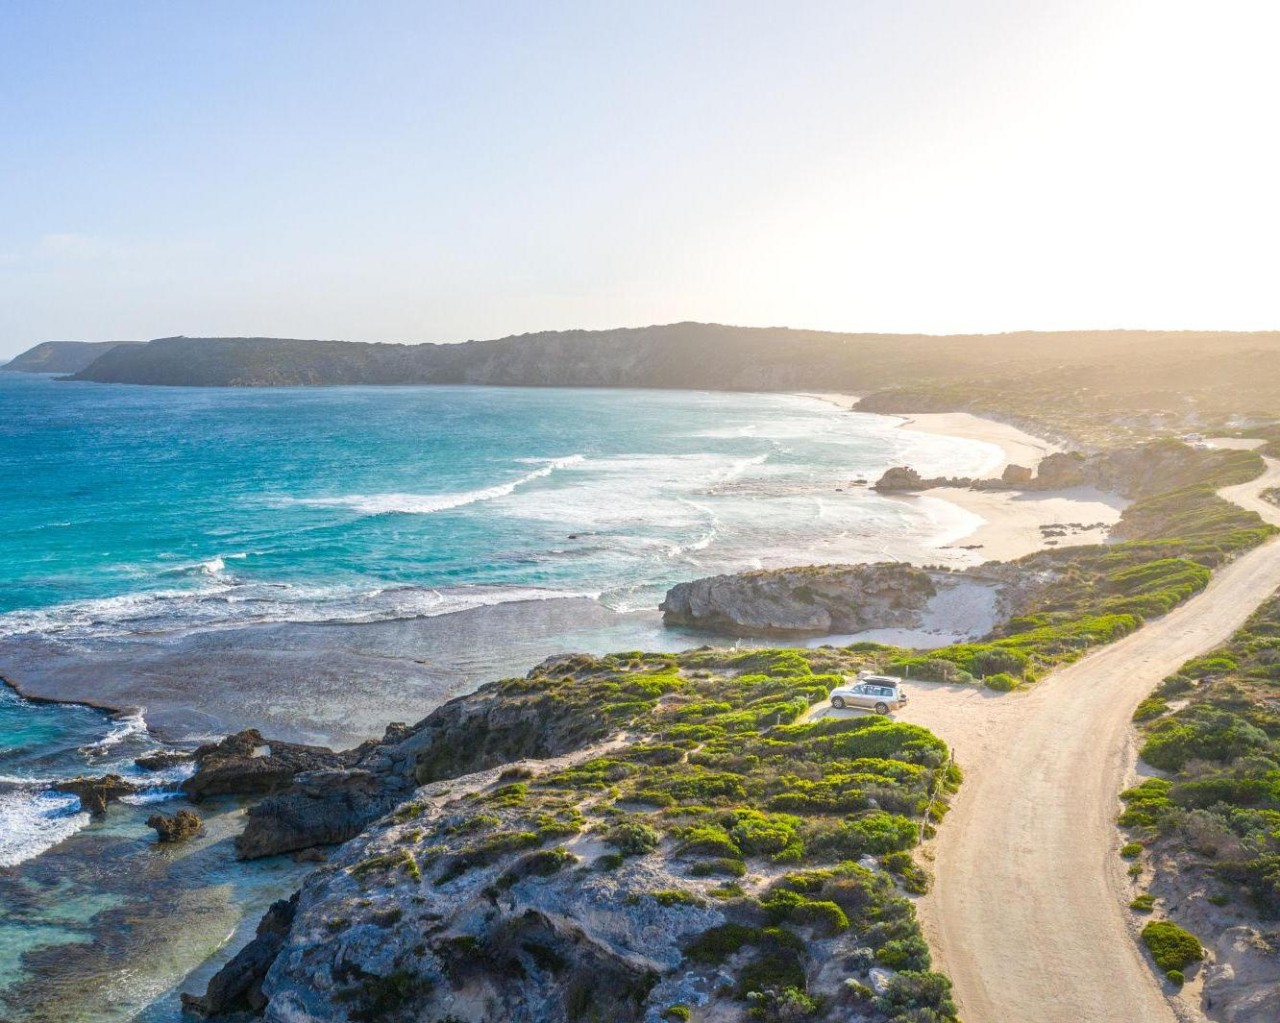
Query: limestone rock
[
  {"x": 827, "y": 598},
  {"x": 237, "y": 987},
  {"x": 95, "y": 793},
  {"x": 1241, "y": 985},
  {"x": 900, "y": 477},
  {"x": 1016, "y": 475},
  {"x": 163, "y": 759},
  {"x": 321, "y": 808},
  {"x": 248, "y": 764},
  {"x": 1060, "y": 470},
  {"x": 182, "y": 825}
]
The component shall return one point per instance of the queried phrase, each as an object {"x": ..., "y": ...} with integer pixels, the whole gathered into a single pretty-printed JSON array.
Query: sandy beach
[
  {"x": 1010, "y": 523},
  {"x": 1018, "y": 446},
  {"x": 1015, "y": 523}
]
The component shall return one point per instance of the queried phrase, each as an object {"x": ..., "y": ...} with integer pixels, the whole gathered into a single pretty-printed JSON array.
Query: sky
[{"x": 419, "y": 171}]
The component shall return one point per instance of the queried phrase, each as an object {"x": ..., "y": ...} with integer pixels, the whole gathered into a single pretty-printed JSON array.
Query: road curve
[{"x": 1028, "y": 913}]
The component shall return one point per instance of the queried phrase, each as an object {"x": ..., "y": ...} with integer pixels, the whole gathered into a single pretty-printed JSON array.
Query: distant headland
[{"x": 1063, "y": 383}]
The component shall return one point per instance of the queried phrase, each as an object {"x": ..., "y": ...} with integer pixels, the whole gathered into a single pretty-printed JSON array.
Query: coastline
[
  {"x": 1009, "y": 523},
  {"x": 1017, "y": 446}
]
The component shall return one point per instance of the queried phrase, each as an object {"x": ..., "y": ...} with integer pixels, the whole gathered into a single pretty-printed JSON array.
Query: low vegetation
[
  {"x": 1218, "y": 811},
  {"x": 1172, "y": 948},
  {"x": 797, "y": 833}
]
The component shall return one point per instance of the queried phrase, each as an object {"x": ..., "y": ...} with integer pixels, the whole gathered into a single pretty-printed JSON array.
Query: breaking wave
[{"x": 426, "y": 504}]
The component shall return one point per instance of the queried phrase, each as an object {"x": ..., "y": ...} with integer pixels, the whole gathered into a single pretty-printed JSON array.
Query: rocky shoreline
[{"x": 562, "y": 847}]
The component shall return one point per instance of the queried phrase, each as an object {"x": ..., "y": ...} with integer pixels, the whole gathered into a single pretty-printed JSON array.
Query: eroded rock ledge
[{"x": 811, "y": 600}]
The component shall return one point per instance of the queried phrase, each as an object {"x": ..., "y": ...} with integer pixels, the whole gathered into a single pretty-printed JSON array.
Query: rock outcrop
[
  {"x": 95, "y": 793},
  {"x": 1241, "y": 984},
  {"x": 821, "y": 599},
  {"x": 901, "y": 477},
  {"x": 1060, "y": 470},
  {"x": 248, "y": 764},
  {"x": 237, "y": 987},
  {"x": 182, "y": 825},
  {"x": 319, "y": 808},
  {"x": 1131, "y": 472},
  {"x": 162, "y": 760},
  {"x": 1016, "y": 475}
]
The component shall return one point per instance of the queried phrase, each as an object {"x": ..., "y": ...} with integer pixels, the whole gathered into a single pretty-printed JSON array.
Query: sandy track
[{"x": 1028, "y": 914}]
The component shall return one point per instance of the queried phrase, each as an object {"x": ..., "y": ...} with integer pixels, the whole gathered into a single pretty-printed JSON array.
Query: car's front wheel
[
  {"x": 837, "y": 702},
  {"x": 882, "y": 708}
]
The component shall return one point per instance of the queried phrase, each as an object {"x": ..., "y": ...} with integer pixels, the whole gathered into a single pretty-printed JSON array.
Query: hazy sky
[{"x": 439, "y": 171}]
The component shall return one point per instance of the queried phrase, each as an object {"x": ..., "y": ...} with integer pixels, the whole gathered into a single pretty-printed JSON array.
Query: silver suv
[{"x": 881, "y": 693}]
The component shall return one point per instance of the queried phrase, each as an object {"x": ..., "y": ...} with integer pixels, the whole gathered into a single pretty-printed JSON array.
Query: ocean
[{"x": 471, "y": 531}]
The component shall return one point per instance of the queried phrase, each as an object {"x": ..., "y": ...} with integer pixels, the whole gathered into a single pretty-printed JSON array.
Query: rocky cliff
[
  {"x": 817, "y": 599},
  {"x": 700, "y": 854}
]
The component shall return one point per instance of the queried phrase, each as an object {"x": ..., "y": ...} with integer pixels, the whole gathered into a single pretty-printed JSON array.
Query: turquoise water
[
  {"x": 134, "y": 508},
  {"x": 133, "y": 513}
]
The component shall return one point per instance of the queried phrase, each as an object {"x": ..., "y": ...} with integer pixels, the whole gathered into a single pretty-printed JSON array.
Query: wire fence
[{"x": 940, "y": 779}]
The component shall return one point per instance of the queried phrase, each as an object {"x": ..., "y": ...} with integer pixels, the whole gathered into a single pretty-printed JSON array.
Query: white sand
[
  {"x": 1235, "y": 443},
  {"x": 1012, "y": 519},
  {"x": 1019, "y": 447},
  {"x": 1007, "y": 523}
]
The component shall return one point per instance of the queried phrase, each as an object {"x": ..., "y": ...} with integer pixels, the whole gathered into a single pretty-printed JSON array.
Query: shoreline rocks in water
[
  {"x": 810, "y": 600},
  {"x": 237, "y": 987},
  {"x": 163, "y": 759},
  {"x": 182, "y": 825},
  {"x": 248, "y": 764},
  {"x": 1129, "y": 472},
  {"x": 95, "y": 793},
  {"x": 1058, "y": 471}
]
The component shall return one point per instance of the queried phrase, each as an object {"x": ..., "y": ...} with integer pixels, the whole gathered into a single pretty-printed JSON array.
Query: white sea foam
[
  {"x": 153, "y": 795},
  {"x": 176, "y": 611},
  {"x": 425, "y": 504},
  {"x": 32, "y": 821},
  {"x": 125, "y": 726}
]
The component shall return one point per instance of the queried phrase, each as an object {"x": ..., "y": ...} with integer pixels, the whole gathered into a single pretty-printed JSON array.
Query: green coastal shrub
[
  {"x": 785, "y": 1006},
  {"x": 1171, "y": 947},
  {"x": 1148, "y": 804},
  {"x": 876, "y": 832},
  {"x": 718, "y": 867},
  {"x": 1151, "y": 707},
  {"x": 1001, "y": 682},
  {"x": 707, "y": 840},
  {"x": 786, "y": 906},
  {"x": 633, "y": 837},
  {"x": 717, "y": 944},
  {"x": 761, "y": 834},
  {"x": 915, "y": 997},
  {"x": 1201, "y": 733}
]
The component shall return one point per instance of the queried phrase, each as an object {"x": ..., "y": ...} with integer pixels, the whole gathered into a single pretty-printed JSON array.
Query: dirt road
[{"x": 1028, "y": 913}]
